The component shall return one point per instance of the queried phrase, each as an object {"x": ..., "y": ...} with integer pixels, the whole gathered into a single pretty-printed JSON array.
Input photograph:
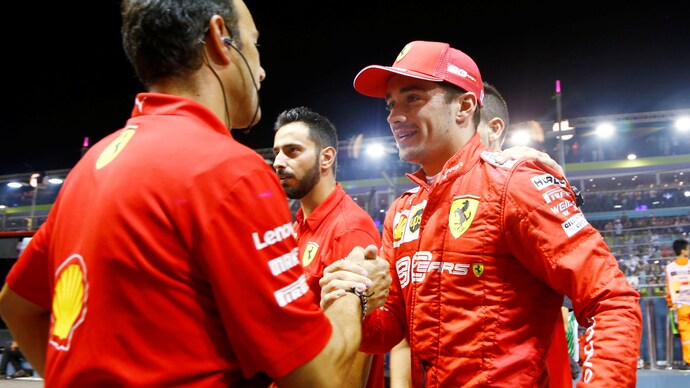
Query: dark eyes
[
  {"x": 290, "y": 151},
  {"x": 410, "y": 98}
]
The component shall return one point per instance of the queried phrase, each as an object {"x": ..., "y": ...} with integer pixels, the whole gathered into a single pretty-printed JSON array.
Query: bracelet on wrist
[{"x": 362, "y": 300}]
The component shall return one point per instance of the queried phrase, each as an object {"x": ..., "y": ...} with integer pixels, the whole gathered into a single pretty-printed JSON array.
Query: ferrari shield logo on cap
[
  {"x": 403, "y": 52},
  {"x": 309, "y": 253},
  {"x": 461, "y": 214}
]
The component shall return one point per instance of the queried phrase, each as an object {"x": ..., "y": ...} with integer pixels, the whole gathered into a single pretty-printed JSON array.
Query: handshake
[{"x": 361, "y": 272}]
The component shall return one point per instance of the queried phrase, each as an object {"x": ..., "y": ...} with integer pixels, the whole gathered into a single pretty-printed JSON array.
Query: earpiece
[{"x": 228, "y": 42}]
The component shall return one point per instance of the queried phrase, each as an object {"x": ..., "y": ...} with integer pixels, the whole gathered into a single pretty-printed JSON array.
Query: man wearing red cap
[{"x": 482, "y": 253}]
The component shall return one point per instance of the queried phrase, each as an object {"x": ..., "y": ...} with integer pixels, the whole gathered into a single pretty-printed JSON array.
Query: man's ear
[
  {"x": 468, "y": 104},
  {"x": 327, "y": 157},
  {"x": 215, "y": 47},
  {"x": 496, "y": 127}
]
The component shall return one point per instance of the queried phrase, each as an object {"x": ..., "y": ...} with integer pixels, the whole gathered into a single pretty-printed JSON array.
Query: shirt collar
[{"x": 323, "y": 210}]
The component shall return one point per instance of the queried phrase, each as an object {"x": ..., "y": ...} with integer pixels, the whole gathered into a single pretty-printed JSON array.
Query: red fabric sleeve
[
  {"x": 562, "y": 249},
  {"x": 255, "y": 294}
]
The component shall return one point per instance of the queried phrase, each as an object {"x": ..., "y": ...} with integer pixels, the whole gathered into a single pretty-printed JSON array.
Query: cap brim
[{"x": 372, "y": 81}]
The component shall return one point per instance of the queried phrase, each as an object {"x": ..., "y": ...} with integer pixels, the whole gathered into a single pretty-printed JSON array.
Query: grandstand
[{"x": 639, "y": 204}]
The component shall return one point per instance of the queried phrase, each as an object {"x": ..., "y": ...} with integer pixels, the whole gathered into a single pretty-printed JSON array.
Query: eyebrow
[
  {"x": 289, "y": 145},
  {"x": 408, "y": 89}
]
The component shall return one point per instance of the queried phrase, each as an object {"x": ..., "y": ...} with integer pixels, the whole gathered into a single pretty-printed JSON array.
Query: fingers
[
  {"x": 370, "y": 252},
  {"x": 334, "y": 287},
  {"x": 363, "y": 270},
  {"x": 547, "y": 161},
  {"x": 379, "y": 273},
  {"x": 523, "y": 152},
  {"x": 342, "y": 276},
  {"x": 379, "y": 293}
]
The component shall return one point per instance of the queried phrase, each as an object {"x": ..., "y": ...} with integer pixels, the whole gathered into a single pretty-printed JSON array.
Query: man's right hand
[{"x": 363, "y": 270}]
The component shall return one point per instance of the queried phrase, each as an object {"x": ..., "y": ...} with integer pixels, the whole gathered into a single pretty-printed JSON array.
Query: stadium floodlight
[
  {"x": 520, "y": 137},
  {"x": 683, "y": 124},
  {"x": 605, "y": 130},
  {"x": 563, "y": 128},
  {"x": 55, "y": 181},
  {"x": 375, "y": 150},
  {"x": 37, "y": 180}
]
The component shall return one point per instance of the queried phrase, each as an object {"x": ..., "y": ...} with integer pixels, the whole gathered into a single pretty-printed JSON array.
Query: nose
[
  {"x": 395, "y": 116},
  {"x": 262, "y": 73},
  {"x": 279, "y": 161}
]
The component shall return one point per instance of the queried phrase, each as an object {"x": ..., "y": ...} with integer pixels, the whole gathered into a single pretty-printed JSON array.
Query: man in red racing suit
[
  {"x": 481, "y": 254},
  {"x": 482, "y": 259}
]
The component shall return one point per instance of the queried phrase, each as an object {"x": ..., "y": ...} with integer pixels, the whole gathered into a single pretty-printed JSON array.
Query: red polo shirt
[
  {"x": 330, "y": 232},
  {"x": 169, "y": 259}
]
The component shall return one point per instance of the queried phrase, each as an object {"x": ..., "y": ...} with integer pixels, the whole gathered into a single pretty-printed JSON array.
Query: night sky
[{"x": 66, "y": 75}]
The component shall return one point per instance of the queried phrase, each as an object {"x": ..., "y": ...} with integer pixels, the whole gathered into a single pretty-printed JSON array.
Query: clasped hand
[{"x": 361, "y": 269}]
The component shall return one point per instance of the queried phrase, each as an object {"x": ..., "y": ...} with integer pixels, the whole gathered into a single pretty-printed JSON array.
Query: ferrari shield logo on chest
[
  {"x": 309, "y": 253},
  {"x": 462, "y": 212},
  {"x": 478, "y": 269}
]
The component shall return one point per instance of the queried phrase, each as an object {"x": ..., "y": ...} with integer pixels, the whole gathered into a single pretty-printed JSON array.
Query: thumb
[{"x": 370, "y": 252}]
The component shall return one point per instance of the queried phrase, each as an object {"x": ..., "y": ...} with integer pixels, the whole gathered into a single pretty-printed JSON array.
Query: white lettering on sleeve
[
  {"x": 272, "y": 236},
  {"x": 283, "y": 263},
  {"x": 574, "y": 224},
  {"x": 588, "y": 372},
  {"x": 546, "y": 180},
  {"x": 291, "y": 292}
]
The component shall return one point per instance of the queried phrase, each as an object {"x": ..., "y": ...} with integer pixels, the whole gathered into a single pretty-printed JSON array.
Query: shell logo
[
  {"x": 399, "y": 228},
  {"x": 69, "y": 301}
]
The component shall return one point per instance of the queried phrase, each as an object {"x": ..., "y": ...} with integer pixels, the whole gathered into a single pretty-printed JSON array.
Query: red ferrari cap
[{"x": 430, "y": 61}]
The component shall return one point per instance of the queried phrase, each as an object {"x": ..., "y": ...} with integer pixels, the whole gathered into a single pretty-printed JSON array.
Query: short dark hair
[
  {"x": 321, "y": 129},
  {"x": 679, "y": 245},
  {"x": 494, "y": 105},
  {"x": 164, "y": 38},
  {"x": 452, "y": 91}
]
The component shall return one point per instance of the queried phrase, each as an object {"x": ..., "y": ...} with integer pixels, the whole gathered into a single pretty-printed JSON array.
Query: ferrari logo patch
[
  {"x": 114, "y": 148},
  {"x": 309, "y": 253},
  {"x": 403, "y": 52},
  {"x": 461, "y": 214},
  {"x": 478, "y": 269}
]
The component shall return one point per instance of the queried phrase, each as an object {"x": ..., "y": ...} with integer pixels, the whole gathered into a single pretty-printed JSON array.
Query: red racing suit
[{"x": 481, "y": 260}]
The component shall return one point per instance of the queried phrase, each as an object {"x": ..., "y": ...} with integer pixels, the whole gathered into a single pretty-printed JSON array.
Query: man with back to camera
[
  {"x": 483, "y": 253},
  {"x": 168, "y": 258}
]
